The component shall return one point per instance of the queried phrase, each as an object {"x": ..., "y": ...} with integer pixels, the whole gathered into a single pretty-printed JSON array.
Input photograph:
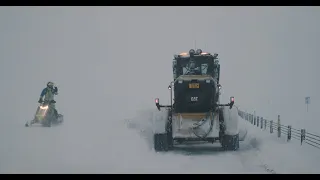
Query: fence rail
[{"x": 290, "y": 132}]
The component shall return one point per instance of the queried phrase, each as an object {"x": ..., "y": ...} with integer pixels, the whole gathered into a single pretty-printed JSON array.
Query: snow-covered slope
[
  {"x": 126, "y": 147},
  {"x": 97, "y": 58},
  {"x": 109, "y": 147},
  {"x": 261, "y": 152},
  {"x": 280, "y": 155}
]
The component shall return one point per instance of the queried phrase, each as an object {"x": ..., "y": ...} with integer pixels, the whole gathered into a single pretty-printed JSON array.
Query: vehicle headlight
[{"x": 43, "y": 107}]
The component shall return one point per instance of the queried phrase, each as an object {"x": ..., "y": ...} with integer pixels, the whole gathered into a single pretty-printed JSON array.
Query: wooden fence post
[
  {"x": 258, "y": 121},
  {"x": 289, "y": 133},
  {"x": 261, "y": 122},
  {"x": 279, "y": 127},
  {"x": 265, "y": 124},
  {"x": 251, "y": 116},
  {"x": 271, "y": 126},
  {"x": 303, "y": 135}
]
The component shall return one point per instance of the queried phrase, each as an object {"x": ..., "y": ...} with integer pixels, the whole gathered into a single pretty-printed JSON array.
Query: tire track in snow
[
  {"x": 254, "y": 143},
  {"x": 264, "y": 165}
]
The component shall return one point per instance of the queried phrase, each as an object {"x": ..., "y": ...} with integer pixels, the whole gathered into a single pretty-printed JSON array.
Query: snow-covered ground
[
  {"x": 283, "y": 156},
  {"x": 261, "y": 152},
  {"x": 97, "y": 56},
  {"x": 125, "y": 146}
]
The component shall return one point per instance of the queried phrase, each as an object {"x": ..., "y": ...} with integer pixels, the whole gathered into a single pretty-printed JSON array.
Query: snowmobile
[
  {"x": 45, "y": 115},
  {"x": 196, "y": 113}
]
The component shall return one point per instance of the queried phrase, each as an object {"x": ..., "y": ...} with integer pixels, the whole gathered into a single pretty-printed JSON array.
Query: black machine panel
[{"x": 194, "y": 96}]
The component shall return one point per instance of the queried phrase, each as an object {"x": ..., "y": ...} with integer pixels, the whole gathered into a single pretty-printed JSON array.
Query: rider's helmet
[{"x": 50, "y": 84}]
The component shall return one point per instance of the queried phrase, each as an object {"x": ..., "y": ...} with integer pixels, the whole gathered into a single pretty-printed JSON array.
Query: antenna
[
  {"x": 195, "y": 44},
  {"x": 206, "y": 44}
]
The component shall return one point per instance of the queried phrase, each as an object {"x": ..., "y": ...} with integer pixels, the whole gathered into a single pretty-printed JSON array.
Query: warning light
[
  {"x": 183, "y": 54},
  {"x": 157, "y": 103},
  {"x": 231, "y": 102},
  {"x": 198, "y": 51}
]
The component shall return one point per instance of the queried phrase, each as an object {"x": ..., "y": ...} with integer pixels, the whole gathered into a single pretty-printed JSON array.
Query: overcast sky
[{"x": 118, "y": 59}]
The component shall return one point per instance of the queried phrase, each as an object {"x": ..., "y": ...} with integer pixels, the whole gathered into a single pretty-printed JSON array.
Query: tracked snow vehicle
[
  {"x": 45, "y": 116},
  {"x": 195, "y": 112}
]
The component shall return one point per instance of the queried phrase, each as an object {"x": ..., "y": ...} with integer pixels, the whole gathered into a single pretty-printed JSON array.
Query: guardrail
[{"x": 290, "y": 132}]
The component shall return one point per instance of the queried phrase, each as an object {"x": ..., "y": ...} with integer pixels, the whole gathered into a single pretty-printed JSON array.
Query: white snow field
[
  {"x": 126, "y": 147},
  {"x": 109, "y": 61}
]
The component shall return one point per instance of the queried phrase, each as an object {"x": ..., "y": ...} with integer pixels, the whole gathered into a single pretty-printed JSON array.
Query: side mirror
[
  {"x": 157, "y": 103},
  {"x": 231, "y": 101}
]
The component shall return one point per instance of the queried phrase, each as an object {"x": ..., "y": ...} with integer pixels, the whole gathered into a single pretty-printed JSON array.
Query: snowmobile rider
[{"x": 49, "y": 93}]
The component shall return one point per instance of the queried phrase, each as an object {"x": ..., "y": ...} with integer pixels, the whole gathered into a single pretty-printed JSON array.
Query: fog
[{"x": 109, "y": 62}]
